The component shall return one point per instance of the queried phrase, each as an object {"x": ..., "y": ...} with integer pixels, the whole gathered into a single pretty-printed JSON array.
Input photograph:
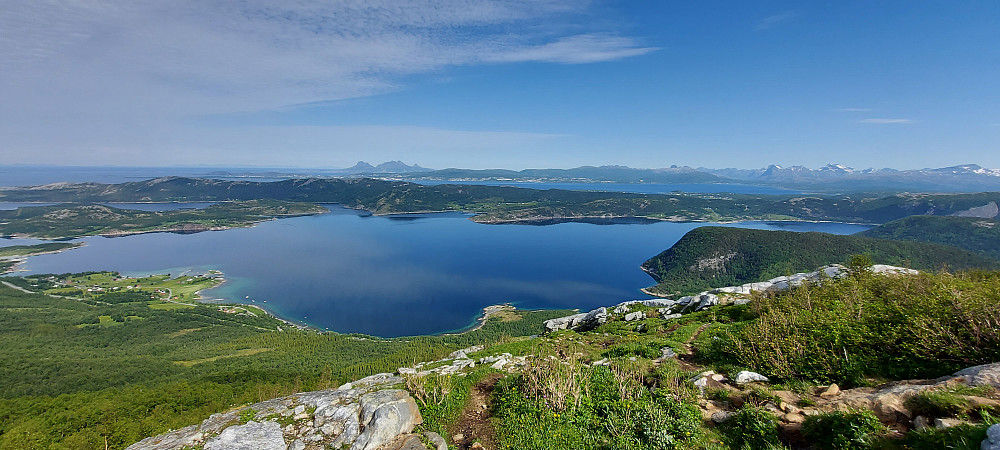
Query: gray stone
[
  {"x": 992, "y": 441},
  {"x": 657, "y": 303},
  {"x": 384, "y": 415},
  {"x": 436, "y": 440},
  {"x": 883, "y": 269},
  {"x": 252, "y": 436},
  {"x": 947, "y": 423},
  {"x": 184, "y": 437},
  {"x": 405, "y": 442},
  {"x": 594, "y": 318},
  {"x": 562, "y": 323},
  {"x": 746, "y": 376},
  {"x": 984, "y": 375},
  {"x": 721, "y": 416},
  {"x": 920, "y": 422},
  {"x": 620, "y": 309},
  {"x": 638, "y": 315}
]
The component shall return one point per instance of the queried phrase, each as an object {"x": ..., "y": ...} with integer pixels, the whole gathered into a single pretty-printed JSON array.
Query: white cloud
[
  {"x": 775, "y": 20},
  {"x": 262, "y": 54},
  {"x": 885, "y": 121},
  {"x": 107, "y": 72}
]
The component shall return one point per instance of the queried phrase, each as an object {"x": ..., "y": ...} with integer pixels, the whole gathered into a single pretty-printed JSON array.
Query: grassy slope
[
  {"x": 77, "y": 371},
  {"x": 973, "y": 234},
  {"x": 61, "y": 221},
  {"x": 863, "y": 329},
  {"x": 745, "y": 255}
]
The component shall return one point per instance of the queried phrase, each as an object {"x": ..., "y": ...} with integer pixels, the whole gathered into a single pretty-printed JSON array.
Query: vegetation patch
[{"x": 894, "y": 327}]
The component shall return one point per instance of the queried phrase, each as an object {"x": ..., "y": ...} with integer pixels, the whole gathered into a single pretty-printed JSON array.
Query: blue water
[
  {"x": 637, "y": 188},
  {"x": 399, "y": 275}
]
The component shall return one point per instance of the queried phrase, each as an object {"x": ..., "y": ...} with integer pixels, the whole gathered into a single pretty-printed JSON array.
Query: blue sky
[{"x": 512, "y": 84}]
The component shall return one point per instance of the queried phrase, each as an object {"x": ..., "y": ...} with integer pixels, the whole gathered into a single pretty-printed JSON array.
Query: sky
[{"x": 500, "y": 84}]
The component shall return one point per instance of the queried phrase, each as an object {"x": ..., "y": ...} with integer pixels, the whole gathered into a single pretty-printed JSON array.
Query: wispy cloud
[
  {"x": 107, "y": 70},
  {"x": 775, "y": 20},
  {"x": 260, "y": 54},
  {"x": 885, "y": 121},
  {"x": 580, "y": 49}
]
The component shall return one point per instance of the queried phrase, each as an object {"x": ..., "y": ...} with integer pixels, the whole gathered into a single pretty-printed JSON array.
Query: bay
[{"x": 400, "y": 275}]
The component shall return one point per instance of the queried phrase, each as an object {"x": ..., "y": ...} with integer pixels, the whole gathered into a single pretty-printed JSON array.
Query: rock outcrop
[
  {"x": 735, "y": 295},
  {"x": 583, "y": 321},
  {"x": 367, "y": 414}
]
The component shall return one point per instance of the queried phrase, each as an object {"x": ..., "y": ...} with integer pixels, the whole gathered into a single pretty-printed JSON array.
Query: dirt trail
[{"x": 474, "y": 424}]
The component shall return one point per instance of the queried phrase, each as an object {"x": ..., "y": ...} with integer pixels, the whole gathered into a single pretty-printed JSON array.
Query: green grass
[
  {"x": 77, "y": 372},
  {"x": 865, "y": 326}
]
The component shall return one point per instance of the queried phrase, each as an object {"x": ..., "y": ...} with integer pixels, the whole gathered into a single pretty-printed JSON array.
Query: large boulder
[
  {"x": 363, "y": 416},
  {"x": 638, "y": 315},
  {"x": 384, "y": 415},
  {"x": 984, "y": 375},
  {"x": 992, "y": 441},
  {"x": 252, "y": 436}
]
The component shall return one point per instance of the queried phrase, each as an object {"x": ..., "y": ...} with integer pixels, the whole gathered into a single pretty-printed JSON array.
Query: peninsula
[{"x": 77, "y": 220}]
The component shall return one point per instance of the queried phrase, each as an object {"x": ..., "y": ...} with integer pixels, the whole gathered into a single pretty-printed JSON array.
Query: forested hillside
[
  {"x": 709, "y": 257},
  {"x": 978, "y": 235}
]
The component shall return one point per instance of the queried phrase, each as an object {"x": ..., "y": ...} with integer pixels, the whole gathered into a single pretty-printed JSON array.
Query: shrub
[
  {"x": 842, "y": 430},
  {"x": 848, "y": 329},
  {"x": 751, "y": 428},
  {"x": 960, "y": 437}
]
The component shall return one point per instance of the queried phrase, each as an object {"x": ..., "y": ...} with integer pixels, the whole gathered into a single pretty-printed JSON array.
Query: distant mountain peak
[{"x": 386, "y": 167}]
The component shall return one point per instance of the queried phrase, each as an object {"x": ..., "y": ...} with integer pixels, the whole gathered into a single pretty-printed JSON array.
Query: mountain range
[{"x": 829, "y": 178}]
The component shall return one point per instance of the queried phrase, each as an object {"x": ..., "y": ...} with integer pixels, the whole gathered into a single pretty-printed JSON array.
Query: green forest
[
  {"x": 970, "y": 233},
  {"x": 711, "y": 257}
]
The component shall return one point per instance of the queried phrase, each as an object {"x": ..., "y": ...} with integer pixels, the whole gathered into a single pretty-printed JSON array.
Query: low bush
[
  {"x": 842, "y": 430},
  {"x": 751, "y": 428},
  {"x": 865, "y": 325}
]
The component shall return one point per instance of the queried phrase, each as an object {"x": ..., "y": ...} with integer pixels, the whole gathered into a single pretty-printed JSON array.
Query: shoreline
[{"x": 21, "y": 259}]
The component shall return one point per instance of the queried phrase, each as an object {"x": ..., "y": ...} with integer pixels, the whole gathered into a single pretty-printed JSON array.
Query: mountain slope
[
  {"x": 721, "y": 256},
  {"x": 975, "y": 234}
]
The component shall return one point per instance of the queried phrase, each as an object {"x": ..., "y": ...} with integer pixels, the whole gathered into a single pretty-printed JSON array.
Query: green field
[{"x": 78, "y": 371}]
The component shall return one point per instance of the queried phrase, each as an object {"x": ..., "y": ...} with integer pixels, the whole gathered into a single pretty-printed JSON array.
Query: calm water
[{"x": 393, "y": 276}]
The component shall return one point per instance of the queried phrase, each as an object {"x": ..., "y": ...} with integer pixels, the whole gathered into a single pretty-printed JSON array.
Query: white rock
[
  {"x": 252, "y": 436},
  {"x": 638, "y": 315},
  {"x": 746, "y": 376},
  {"x": 984, "y": 375}
]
